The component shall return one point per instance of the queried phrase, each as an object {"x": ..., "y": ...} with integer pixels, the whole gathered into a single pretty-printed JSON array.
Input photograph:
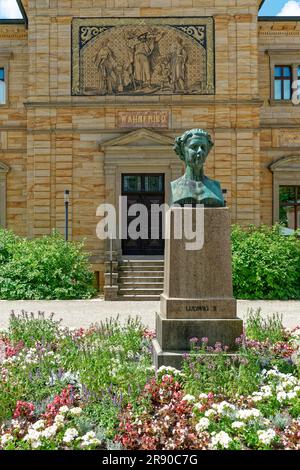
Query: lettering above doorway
[{"x": 136, "y": 119}]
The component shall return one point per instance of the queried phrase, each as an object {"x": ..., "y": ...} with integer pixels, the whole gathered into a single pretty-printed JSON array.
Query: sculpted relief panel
[{"x": 145, "y": 56}]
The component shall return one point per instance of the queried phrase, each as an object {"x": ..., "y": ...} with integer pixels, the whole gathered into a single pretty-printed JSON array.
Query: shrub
[
  {"x": 266, "y": 264},
  {"x": 43, "y": 268},
  {"x": 262, "y": 329}
]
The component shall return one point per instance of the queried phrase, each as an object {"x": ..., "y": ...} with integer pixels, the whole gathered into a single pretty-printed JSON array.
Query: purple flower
[
  {"x": 194, "y": 340},
  {"x": 204, "y": 340}
]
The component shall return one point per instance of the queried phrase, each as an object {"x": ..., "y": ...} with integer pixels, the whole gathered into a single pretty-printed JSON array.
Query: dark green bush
[
  {"x": 43, "y": 268},
  {"x": 266, "y": 264}
]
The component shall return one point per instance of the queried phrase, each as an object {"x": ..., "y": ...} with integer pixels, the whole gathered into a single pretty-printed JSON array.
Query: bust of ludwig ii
[{"x": 194, "y": 187}]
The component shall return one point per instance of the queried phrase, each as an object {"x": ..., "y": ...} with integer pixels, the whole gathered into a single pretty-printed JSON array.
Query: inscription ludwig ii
[{"x": 143, "y": 56}]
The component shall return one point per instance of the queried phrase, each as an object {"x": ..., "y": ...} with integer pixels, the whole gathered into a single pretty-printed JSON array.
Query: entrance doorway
[{"x": 147, "y": 189}]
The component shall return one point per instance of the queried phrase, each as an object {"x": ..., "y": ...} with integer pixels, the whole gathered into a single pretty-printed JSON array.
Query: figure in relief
[{"x": 105, "y": 61}]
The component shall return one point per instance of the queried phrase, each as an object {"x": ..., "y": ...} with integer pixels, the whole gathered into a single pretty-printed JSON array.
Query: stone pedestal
[{"x": 198, "y": 299}]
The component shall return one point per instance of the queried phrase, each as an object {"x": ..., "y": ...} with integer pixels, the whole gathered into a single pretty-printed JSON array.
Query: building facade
[{"x": 93, "y": 93}]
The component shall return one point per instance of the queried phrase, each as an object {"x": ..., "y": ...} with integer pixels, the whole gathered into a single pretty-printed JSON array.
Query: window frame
[
  {"x": 282, "y": 79},
  {"x": 293, "y": 204},
  {"x": 5, "y": 57},
  {"x": 6, "y": 68},
  {"x": 282, "y": 58},
  {"x": 286, "y": 172}
]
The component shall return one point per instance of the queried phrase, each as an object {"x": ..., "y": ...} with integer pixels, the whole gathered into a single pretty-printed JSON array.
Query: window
[
  {"x": 289, "y": 209},
  {"x": 283, "y": 82},
  {"x": 2, "y": 86},
  {"x": 143, "y": 183}
]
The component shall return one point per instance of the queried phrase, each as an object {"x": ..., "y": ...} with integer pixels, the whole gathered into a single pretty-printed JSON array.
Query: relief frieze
[{"x": 142, "y": 56}]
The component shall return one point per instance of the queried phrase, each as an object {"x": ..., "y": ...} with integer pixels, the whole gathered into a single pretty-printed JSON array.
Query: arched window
[
  {"x": 4, "y": 169},
  {"x": 286, "y": 191}
]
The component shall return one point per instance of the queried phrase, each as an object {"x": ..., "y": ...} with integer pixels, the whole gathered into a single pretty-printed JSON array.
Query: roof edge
[
  {"x": 22, "y": 10},
  {"x": 279, "y": 18}
]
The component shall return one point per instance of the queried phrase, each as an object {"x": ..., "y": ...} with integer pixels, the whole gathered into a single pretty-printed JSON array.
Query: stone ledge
[
  {"x": 174, "y": 335},
  {"x": 195, "y": 309}
]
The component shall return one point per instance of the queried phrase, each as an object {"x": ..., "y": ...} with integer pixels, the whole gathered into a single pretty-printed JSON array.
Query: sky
[
  {"x": 10, "y": 9},
  {"x": 281, "y": 8}
]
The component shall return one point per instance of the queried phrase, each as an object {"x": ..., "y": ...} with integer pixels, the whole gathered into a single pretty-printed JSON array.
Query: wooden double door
[{"x": 148, "y": 190}]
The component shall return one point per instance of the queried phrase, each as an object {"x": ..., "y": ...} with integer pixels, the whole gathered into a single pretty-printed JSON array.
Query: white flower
[
  {"x": 224, "y": 408},
  {"x": 63, "y": 409},
  {"x": 5, "y": 439},
  {"x": 76, "y": 411},
  {"x": 50, "y": 431},
  {"x": 202, "y": 425},
  {"x": 15, "y": 424},
  {"x": 36, "y": 444},
  {"x": 281, "y": 396},
  {"x": 188, "y": 398},
  {"x": 257, "y": 397},
  {"x": 238, "y": 425},
  {"x": 169, "y": 369},
  {"x": 221, "y": 439},
  {"x": 70, "y": 435},
  {"x": 90, "y": 439},
  {"x": 247, "y": 414},
  {"x": 59, "y": 420},
  {"x": 38, "y": 425},
  {"x": 266, "y": 437},
  {"x": 33, "y": 437},
  {"x": 210, "y": 413},
  {"x": 203, "y": 396},
  {"x": 291, "y": 395}
]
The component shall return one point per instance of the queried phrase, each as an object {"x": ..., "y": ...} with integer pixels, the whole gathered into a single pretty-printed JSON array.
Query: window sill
[{"x": 273, "y": 102}]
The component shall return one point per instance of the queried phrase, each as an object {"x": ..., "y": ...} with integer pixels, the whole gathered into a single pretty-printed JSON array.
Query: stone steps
[
  {"x": 140, "y": 280},
  {"x": 140, "y": 273}
]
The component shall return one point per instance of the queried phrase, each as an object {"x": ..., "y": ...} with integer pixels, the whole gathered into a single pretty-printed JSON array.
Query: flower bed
[{"x": 97, "y": 389}]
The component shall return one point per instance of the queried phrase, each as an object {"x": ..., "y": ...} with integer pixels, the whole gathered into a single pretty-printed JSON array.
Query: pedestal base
[
  {"x": 167, "y": 359},
  {"x": 173, "y": 337},
  {"x": 111, "y": 293}
]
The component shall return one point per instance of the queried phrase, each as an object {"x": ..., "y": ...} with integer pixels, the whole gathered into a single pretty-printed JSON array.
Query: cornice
[
  {"x": 13, "y": 32},
  {"x": 256, "y": 102}
]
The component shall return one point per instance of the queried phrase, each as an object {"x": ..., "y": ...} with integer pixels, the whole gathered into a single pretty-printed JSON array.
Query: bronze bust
[{"x": 194, "y": 187}]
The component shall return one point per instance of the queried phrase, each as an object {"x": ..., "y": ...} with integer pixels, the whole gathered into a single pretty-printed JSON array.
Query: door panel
[{"x": 146, "y": 189}]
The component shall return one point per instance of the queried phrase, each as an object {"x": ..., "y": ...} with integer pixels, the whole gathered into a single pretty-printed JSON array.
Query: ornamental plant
[
  {"x": 96, "y": 388},
  {"x": 266, "y": 263},
  {"x": 43, "y": 268}
]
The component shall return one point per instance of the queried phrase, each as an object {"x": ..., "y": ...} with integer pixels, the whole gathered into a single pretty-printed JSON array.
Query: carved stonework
[
  {"x": 9, "y": 32},
  {"x": 290, "y": 139},
  {"x": 145, "y": 56}
]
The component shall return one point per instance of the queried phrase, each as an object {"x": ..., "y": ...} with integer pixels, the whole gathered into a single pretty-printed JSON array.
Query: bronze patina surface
[{"x": 194, "y": 187}]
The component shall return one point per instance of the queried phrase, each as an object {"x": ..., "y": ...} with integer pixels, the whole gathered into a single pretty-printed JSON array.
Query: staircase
[{"x": 140, "y": 279}]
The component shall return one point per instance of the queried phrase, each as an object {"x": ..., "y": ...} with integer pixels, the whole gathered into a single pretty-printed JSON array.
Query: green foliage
[
  {"x": 31, "y": 329},
  {"x": 262, "y": 329},
  {"x": 109, "y": 358},
  {"x": 221, "y": 374},
  {"x": 43, "y": 268},
  {"x": 266, "y": 264}
]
